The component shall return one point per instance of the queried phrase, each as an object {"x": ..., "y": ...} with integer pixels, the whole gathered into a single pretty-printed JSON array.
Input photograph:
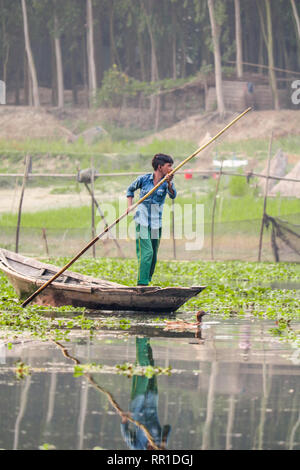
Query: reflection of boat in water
[{"x": 27, "y": 275}]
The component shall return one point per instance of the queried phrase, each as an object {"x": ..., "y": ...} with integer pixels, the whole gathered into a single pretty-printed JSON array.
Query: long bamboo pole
[{"x": 133, "y": 207}]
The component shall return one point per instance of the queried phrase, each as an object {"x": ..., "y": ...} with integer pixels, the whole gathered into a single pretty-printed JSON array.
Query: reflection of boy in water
[{"x": 143, "y": 407}]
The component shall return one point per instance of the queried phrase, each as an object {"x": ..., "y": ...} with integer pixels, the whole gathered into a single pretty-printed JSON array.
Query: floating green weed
[
  {"x": 22, "y": 370},
  {"x": 232, "y": 288},
  {"x": 47, "y": 446},
  {"x": 126, "y": 369},
  {"x": 149, "y": 371}
]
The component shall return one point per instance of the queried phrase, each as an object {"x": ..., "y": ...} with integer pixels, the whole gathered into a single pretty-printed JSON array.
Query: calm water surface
[{"x": 232, "y": 386}]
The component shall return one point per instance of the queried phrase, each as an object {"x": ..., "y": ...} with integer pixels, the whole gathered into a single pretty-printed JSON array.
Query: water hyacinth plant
[{"x": 232, "y": 288}]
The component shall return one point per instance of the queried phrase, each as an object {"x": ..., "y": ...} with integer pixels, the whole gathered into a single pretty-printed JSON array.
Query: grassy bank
[
  {"x": 12, "y": 152},
  {"x": 227, "y": 210}
]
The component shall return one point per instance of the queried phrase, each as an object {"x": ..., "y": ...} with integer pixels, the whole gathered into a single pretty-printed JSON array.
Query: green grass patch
[
  {"x": 121, "y": 143},
  {"x": 258, "y": 148},
  {"x": 227, "y": 210},
  {"x": 71, "y": 217}
]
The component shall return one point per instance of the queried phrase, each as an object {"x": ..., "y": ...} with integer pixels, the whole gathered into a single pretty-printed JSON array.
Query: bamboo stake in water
[
  {"x": 213, "y": 213},
  {"x": 104, "y": 220},
  {"x": 25, "y": 177},
  {"x": 265, "y": 198},
  {"x": 93, "y": 203},
  {"x": 131, "y": 208}
]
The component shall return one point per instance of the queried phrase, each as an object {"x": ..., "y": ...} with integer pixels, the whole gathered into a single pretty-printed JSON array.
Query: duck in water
[{"x": 184, "y": 325}]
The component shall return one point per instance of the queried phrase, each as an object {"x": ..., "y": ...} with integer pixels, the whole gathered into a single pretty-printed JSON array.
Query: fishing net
[
  {"x": 285, "y": 238},
  {"x": 236, "y": 240}
]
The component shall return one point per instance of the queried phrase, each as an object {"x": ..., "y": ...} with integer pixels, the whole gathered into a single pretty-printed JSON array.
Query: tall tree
[
  {"x": 271, "y": 54},
  {"x": 238, "y": 39},
  {"x": 154, "y": 64},
  {"x": 5, "y": 45},
  {"x": 268, "y": 37},
  {"x": 92, "y": 80},
  {"x": 58, "y": 57},
  {"x": 32, "y": 70},
  {"x": 154, "y": 100},
  {"x": 215, "y": 30},
  {"x": 296, "y": 16}
]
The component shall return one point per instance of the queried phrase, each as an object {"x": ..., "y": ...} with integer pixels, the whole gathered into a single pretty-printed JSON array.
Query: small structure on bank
[
  {"x": 278, "y": 167},
  {"x": 289, "y": 188},
  {"x": 239, "y": 95}
]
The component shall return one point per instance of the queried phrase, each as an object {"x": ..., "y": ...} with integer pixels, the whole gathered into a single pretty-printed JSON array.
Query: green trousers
[{"x": 147, "y": 244}]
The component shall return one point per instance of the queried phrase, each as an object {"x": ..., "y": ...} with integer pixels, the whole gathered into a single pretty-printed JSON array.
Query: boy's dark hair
[{"x": 161, "y": 159}]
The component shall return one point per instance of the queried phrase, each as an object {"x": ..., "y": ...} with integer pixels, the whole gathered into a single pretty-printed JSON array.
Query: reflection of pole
[
  {"x": 293, "y": 432},
  {"x": 83, "y": 409},
  {"x": 264, "y": 402},
  {"x": 51, "y": 402},
  {"x": 82, "y": 415},
  {"x": 265, "y": 198},
  {"x": 23, "y": 403},
  {"x": 230, "y": 422},
  {"x": 210, "y": 406}
]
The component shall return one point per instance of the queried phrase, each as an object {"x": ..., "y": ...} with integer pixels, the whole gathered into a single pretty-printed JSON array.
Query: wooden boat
[{"x": 70, "y": 288}]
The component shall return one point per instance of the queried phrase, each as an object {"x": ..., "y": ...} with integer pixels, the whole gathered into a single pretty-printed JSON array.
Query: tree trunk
[
  {"x": 34, "y": 82},
  {"x": 238, "y": 39},
  {"x": 174, "y": 48},
  {"x": 113, "y": 50},
  {"x": 5, "y": 47},
  {"x": 296, "y": 16},
  {"x": 217, "y": 58},
  {"x": 142, "y": 57},
  {"x": 154, "y": 67},
  {"x": 92, "y": 81},
  {"x": 272, "y": 74},
  {"x": 99, "y": 60},
  {"x": 268, "y": 38},
  {"x": 73, "y": 78},
  {"x": 26, "y": 81},
  {"x": 59, "y": 66},
  {"x": 53, "y": 75}
]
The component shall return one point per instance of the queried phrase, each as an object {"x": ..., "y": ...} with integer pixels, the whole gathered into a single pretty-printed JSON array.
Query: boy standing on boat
[{"x": 148, "y": 217}]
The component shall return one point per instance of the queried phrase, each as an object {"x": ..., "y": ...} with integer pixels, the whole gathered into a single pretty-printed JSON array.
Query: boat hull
[{"x": 83, "y": 291}]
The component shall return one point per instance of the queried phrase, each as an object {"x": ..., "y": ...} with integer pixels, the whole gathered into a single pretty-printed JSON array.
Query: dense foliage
[{"x": 147, "y": 40}]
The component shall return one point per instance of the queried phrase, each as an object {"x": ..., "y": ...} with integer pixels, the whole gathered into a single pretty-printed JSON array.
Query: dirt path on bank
[{"x": 40, "y": 199}]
